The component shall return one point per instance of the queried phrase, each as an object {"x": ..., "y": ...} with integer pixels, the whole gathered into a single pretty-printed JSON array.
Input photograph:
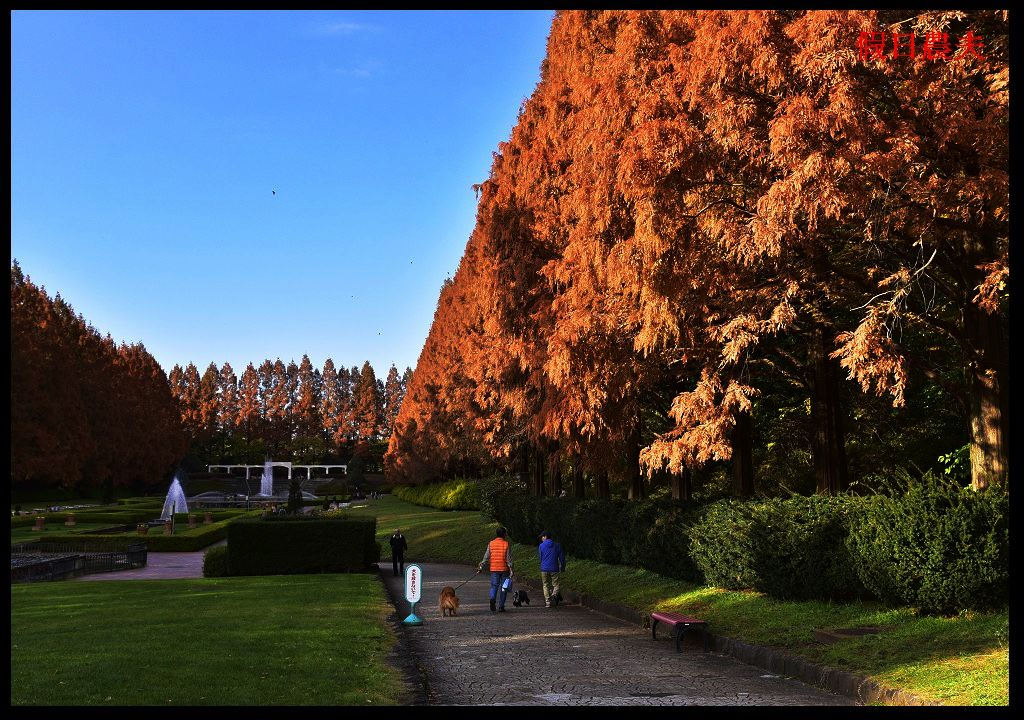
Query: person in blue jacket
[{"x": 552, "y": 562}]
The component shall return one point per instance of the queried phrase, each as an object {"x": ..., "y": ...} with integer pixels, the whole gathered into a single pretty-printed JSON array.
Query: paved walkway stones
[
  {"x": 160, "y": 566},
  {"x": 569, "y": 656}
]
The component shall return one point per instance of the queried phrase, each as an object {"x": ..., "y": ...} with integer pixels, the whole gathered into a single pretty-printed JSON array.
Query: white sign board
[{"x": 413, "y": 583}]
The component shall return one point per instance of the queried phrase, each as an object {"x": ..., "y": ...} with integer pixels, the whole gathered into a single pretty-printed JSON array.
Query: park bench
[{"x": 680, "y": 624}]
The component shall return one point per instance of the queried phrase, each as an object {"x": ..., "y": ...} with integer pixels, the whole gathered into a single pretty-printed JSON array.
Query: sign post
[{"x": 413, "y": 590}]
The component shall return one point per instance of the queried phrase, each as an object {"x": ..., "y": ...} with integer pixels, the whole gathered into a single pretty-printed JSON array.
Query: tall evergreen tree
[
  {"x": 279, "y": 432},
  {"x": 85, "y": 412},
  {"x": 292, "y": 388},
  {"x": 331, "y": 403},
  {"x": 248, "y": 419},
  {"x": 307, "y": 411},
  {"x": 209, "y": 403},
  {"x": 366, "y": 404},
  {"x": 392, "y": 399},
  {"x": 228, "y": 409},
  {"x": 190, "y": 403},
  {"x": 267, "y": 384}
]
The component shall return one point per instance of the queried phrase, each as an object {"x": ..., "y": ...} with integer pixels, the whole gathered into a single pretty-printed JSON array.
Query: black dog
[{"x": 519, "y": 597}]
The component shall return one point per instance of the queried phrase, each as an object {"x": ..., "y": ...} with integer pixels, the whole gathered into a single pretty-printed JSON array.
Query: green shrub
[
  {"x": 651, "y": 534},
  {"x": 792, "y": 549},
  {"x": 355, "y": 470},
  {"x": 106, "y": 515},
  {"x": 656, "y": 536},
  {"x": 215, "y": 561},
  {"x": 936, "y": 546},
  {"x": 596, "y": 529},
  {"x": 132, "y": 501},
  {"x": 719, "y": 545},
  {"x": 294, "y": 497},
  {"x": 184, "y": 539},
  {"x": 932, "y": 545},
  {"x": 498, "y": 486},
  {"x": 452, "y": 495},
  {"x": 281, "y": 545},
  {"x": 181, "y": 519}
]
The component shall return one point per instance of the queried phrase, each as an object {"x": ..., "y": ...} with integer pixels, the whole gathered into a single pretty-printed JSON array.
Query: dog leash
[{"x": 466, "y": 580}]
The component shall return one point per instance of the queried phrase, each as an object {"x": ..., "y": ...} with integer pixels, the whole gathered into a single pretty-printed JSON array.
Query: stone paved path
[
  {"x": 160, "y": 566},
  {"x": 570, "y": 656}
]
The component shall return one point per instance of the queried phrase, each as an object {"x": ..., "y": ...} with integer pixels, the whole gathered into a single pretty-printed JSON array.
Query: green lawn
[
  {"x": 958, "y": 661},
  {"x": 275, "y": 640}
]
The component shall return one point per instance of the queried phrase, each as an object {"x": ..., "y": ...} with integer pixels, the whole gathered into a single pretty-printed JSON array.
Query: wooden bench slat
[
  {"x": 674, "y": 618},
  {"x": 680, "y": 623}
]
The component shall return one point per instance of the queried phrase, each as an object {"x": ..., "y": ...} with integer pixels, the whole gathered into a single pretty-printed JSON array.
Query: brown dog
[{"x": 449, "y": 603}]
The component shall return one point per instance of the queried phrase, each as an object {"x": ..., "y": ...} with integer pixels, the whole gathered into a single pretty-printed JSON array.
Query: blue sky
[{"x": 145, "y": 146}]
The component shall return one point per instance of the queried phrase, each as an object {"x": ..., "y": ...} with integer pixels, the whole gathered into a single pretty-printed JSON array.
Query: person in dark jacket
[
  {"x": 552, "y": 562},
  {"x": 398, "y": 548}
]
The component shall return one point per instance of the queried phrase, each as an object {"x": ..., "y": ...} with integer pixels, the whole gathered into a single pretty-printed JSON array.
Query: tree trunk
[
  {"x": 538, "y": 472},
  {"x": 829, "y": 442},
  {"x": 990, "y": 399},
  {"x": 742, "y": 456},
  {"x": 556, "y": 475},
  {"x": 579, "y": 489},
  {"x": 603, "y": 491},
  {"x": 524, "y": 463},
  {"x": 682, "y": 485},
  {"x": 633, "y": 474}
]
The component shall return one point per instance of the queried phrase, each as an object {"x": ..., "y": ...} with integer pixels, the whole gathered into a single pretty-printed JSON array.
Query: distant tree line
[
  {"x": 288, "y": 412},
  {"x": 87, "y": 414},
  {"x": 721, "y": 250}
]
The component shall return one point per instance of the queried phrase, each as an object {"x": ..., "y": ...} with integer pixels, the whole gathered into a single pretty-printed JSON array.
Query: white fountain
[
  {"x": 267, "y": 481},
  {"x": 175, "y": 502}
]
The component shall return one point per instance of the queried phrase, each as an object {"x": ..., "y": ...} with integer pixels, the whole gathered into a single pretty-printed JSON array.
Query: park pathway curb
[
  {"x": 402, "y": 656},
  {"x": 574, "y": 657},
  {"x": 853, "y": 685}
]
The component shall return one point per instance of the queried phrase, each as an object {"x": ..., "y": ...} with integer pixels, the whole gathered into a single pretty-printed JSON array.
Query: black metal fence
[{"x": 31, "y": 562}]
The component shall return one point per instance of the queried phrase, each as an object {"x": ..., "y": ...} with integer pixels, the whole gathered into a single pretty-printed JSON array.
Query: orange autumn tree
[
  {"x": 428, "y": 439},
  {"x": 227, "y": 410},
  {"x": 249, "y": 418},
  {"x": 366, "y": 405},
  {"x": 331, "y": 403},
  {"x": 306, "y": 411},
  {"x": 698, "y": 203},
  {"x": 393, "y": 392},
  {"x": 86, "y": 413},
  {"x": 821, "y": 140}
]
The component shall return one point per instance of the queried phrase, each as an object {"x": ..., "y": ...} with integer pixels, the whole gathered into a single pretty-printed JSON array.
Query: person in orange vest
[{"x": 498, "y": 559}]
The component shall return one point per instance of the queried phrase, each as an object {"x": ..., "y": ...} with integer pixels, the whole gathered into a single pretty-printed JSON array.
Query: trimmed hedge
[
  {"x": 114, "y": 517},
  {"x": 792, "y": 549},
  {"x": 451, "y": 495},
  {"x": 650, "y": 534},
  {"x": 186, "y": 541},
  {"x": 217, "y": 515},
  {"x": 282, "y": 545},
  {"x": 498, "y": 486},
  {"x": 215, "y": 562},
  {"x": 935, "y": 546},
  {"x": 931, "y": 545}
]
